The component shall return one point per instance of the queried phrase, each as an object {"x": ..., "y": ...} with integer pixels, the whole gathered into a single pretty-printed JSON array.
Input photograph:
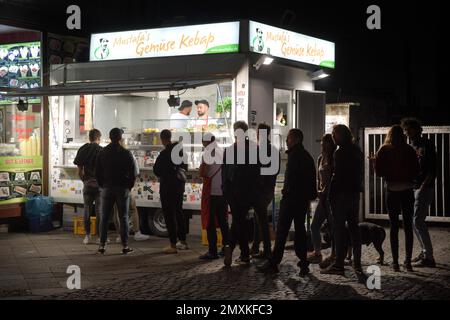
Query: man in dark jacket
[
  {"x": 423, "y": 189},
  {"x": 298, "y": 191},
  {"x": 115, "y": 174},
  {"x": 346, "y": 185},
  {"x": 266, "y": 185},
  {"x": 171, "y": 190},
  {"x": 85, "y": 161},
  {"x": 240, "y": 173}
]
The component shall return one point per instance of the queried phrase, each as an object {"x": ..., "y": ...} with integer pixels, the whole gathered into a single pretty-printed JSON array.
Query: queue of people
[{"x": 230, "y": 185}]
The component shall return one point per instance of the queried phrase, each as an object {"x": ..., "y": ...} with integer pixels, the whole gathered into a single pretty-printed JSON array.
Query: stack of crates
[{"x": 78, "y": 226}]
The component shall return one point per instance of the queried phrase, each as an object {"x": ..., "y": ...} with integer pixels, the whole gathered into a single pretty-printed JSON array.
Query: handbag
[{"x": 181, "y": 174}]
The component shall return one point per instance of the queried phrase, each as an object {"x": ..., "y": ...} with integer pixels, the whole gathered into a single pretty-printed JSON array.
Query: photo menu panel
[{"x": 20, "y": 67}]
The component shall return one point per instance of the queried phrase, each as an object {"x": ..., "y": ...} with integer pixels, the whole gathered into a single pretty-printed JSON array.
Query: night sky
[{"x": 403, "y": 64}]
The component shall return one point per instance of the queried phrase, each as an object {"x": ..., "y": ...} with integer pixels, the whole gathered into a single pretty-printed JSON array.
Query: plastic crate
[
  {"x": 205, "y": 238},
  {"x": 39, "y": 223},
  {"x": 78, "y": 226}
]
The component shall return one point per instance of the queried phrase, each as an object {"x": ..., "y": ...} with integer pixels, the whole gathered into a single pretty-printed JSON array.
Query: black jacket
[
  {"x": 426, "y": 154},
  {"x": 267, "y": 182},
  {"x": 240, "y": 180},
  {"x": 348, "y": 170},
  {"x": 166, "y": 171},
  {"x": 300, "y": 176},
  {"x": 115, "y": 167}
]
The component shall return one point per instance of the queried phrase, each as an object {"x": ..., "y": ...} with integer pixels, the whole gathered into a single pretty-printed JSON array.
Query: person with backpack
[{"x": 171, "y": 189}]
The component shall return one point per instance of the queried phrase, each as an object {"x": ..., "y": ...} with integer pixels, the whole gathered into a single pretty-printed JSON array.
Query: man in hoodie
[
  {"x": 115, "y": 174},
  {"x": 171, "y": 190}
]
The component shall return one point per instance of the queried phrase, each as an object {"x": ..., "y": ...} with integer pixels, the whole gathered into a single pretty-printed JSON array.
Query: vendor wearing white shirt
[
  {"x": 180, "y": 119},
  {"x": 203, "y": 119}
]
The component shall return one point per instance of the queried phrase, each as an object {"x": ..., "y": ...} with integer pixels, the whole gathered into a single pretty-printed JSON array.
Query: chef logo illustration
[
  {"x": 102, "y": 52},
  {"x": 258, "y": 42}
]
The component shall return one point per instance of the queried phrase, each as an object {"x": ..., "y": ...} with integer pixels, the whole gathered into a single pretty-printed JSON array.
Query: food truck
[{"x": 245, "y": 70}]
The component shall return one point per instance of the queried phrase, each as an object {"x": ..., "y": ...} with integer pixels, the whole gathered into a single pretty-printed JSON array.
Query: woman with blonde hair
[{"x": 397, "y": 163}]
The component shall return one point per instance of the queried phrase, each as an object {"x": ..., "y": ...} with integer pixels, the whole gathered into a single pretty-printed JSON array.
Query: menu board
[
  {"x": 20, "y": 177},
  {"x": 20, "y": 67}
]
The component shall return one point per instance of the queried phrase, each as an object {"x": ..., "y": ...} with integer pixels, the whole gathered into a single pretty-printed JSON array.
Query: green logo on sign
[{"x": 102, "y": 52}]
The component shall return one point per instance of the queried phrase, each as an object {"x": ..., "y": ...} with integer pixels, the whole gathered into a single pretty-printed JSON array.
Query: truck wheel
[{"x": 157, "y": 224}]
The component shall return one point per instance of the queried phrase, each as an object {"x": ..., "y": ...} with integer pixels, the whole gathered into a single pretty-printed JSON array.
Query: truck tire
[{"x": 156, "y": 223}]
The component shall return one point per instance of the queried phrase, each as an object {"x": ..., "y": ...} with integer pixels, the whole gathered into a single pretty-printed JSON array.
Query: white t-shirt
[
  {"x": 179, "y": 121},
  {"x": 216, "y": 168}
]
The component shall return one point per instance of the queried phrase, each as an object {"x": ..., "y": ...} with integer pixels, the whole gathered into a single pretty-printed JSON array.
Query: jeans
[
  {"x": 345, "y": 208},
  {"x": 91, "y": 195},
  {"x": 422, "y": 203},
  {"x": 217, "y": 208},
  {"x": 261, "y": 224},
  {"x": 172, "y": 206},
  {"x": 322, "y": 213},
  {"x": 120, "y": 197},
  {"x": 291, "y": 209},
  {"x": 133, "y": 215},
  {"x": 401, "y": 202}
]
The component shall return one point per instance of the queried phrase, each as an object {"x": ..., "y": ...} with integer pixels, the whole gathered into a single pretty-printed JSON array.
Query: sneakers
[
  {"x": 332, "y": 269},
  {"x": 127, "y": 250},
  {"x": 327, "y": 262},
  {"x": 408, "y": 266},
  {"x": 303, "y": 272},
  {"x": 395, "y": 267},
  {"x": 227, "y": 256},
  {"x": 170, "y": 250},
  {"x": 87, "y": 239},
  {"x": 268, "y": 267},
  {"x": 208, "y": 256},
  {"x": 425, "y": 263},
  {"x": 418, "y": 258},
  {"x": 243, "y": 261},
  {"x": 314, "y": 257},
  {"x": 101, "y": 250},
  {"x": 182, "y": 245},
  {"x": 138, "y": 236}
]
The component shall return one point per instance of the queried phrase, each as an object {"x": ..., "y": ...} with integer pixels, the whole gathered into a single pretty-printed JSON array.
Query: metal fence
[{"x": 375, "y": 193}]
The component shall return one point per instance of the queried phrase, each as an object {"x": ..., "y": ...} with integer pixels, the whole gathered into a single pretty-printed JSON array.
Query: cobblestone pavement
[{"x": 148, "y": 274}]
